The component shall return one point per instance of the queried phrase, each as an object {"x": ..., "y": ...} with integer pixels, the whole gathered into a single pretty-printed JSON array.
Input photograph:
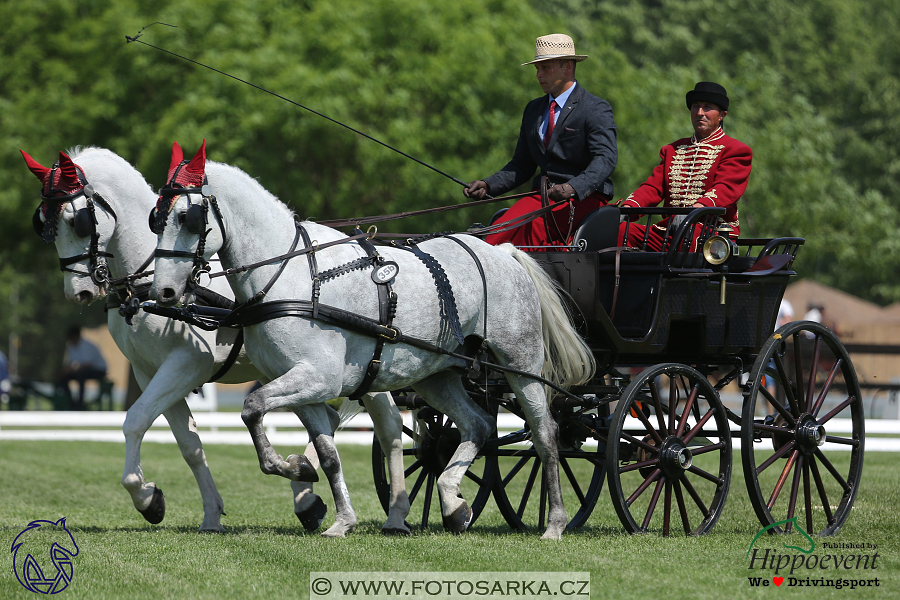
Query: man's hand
[
  {"x": 561, "y": 192},
  {"x": 477, "y": 190}
]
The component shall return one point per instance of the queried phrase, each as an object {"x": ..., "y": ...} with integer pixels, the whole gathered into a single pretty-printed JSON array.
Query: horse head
[
  {"x": 80, "y": 221},
  {"x": 183, "y": 220}
]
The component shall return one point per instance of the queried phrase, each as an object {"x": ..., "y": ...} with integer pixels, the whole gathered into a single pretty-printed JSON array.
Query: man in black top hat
[{"x": 707, "y": 169}]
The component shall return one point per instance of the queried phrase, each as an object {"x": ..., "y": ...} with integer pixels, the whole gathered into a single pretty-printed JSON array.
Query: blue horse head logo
[{"x": 33, "y": 543}]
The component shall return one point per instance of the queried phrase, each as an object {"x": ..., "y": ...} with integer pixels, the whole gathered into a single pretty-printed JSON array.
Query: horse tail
[
  {"x": 349, "y": 409},
  {"x": 567, "y": 359}
]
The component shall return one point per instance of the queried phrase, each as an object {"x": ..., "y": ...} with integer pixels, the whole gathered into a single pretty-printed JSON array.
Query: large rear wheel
[{"x": 802, "y": 437}]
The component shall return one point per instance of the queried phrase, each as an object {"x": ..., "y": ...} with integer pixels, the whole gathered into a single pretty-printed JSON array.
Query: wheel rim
[
  {"x": 802, "y": 441},
  {"x": 519, "y": 488},
  {"x": 669, "y": 471},
  {"x": 424, "y": 459}
]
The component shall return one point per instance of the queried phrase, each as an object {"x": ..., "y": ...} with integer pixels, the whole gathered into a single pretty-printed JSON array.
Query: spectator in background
[
  {"x": 785, "y": 313},
  {"x": 82, "y": 361}
]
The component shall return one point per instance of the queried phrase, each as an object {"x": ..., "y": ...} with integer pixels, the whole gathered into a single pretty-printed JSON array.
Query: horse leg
[
  {"x": 308, "y": 506},
  {"x": 321, "y": 431},
  {"x": 445, "y": 392},
  {"x": 160, "y": 392},
  {"x": 183, "y": 426},
  {"x": 533, "y": 402},
  {"x": 389, "y": 428}
]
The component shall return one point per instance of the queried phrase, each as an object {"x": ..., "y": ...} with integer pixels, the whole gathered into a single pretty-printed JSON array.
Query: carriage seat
[{"x": 599, "y": 229}]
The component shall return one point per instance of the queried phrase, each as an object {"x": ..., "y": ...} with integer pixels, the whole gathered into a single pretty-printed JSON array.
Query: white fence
[{"x": 882, "y": 435}]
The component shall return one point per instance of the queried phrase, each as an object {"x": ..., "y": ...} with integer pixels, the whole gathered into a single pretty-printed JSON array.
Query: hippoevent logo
[
  {"x": 836, "y": 565},
  {"x": 30, "y": 550}
]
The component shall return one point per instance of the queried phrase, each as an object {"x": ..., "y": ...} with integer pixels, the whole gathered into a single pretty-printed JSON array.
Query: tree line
[{"x": 813, "y": 87}]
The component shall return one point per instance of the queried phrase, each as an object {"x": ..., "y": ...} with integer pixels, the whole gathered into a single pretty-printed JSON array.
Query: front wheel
[
  {"x": 802, "y": 438},
  {"x": 669, "y": 452}
]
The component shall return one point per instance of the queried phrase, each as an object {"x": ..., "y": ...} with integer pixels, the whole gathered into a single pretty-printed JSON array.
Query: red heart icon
[{"x": 778, "y": 580}]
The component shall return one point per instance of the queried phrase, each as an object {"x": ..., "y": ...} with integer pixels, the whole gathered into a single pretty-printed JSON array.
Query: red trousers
[{"x": 534, "y": 233}]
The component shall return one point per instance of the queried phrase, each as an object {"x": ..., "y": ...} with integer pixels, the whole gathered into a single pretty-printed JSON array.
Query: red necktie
[{"x": 551, "y": 121}]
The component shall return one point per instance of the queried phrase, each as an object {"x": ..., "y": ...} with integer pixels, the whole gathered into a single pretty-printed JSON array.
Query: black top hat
[{"x": 707, "y": 91}]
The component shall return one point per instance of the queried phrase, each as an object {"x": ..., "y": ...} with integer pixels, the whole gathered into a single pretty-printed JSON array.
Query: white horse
[
  {"x": 310, "y": 359},
  {"x": 169, "y": 358}
]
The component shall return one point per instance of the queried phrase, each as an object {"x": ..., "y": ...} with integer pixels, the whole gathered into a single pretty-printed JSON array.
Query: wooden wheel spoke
[
  {"x": 798, "y": 372},
  {"x": 640, "y": 489},
  {"x": 635, "y": 466},
  {"x": 795, "y": 488},
  {"x": 694, "y": 496},
  {"x": 696, "y": 428},
  {"x": 836, "y": 410},
  {"x": 473, "y": 477},
  {"x": 652, "y": 506},
  {"x": 417, "y": 485},
  {"x": 839, "y": 440},
  {"x": 788, "y": 389},
  {"x": 834, "y": 473},
  {"x": 807, "y": 498},
  {"x": 813, "y": 369},
  {"x": 412, "y": 468},
  {"x": 529, "y": 485},
  {"x": 643, "y": 419},
  {"x": 673, "y": 404},
  {"x": 708, "y": 476},
  {"x": 777, "y": 406},
  {"x": 820, "y": 487},
  {"x": 657, "y": 404},
  {"x": 692, "y": 397},
  {"x": 710, "y": 448},
  {"x": 781, "y": 480},
  {"x": 426, "y": 506},
  {"x": 640, "y": 443},
  {"x": 826, "y": 388},
  {"x": 682, "y": 508},
  {"x": 778, "y": 454},
  {"x": 515, "y": 470},
  {"x": 667, "y": 507},
  {"x": 573, "y": 481}
]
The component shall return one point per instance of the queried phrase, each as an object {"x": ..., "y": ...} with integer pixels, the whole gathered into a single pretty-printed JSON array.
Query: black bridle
[
  {"x": 195, "y": 220},
  {"x": 85, "y": 224}
]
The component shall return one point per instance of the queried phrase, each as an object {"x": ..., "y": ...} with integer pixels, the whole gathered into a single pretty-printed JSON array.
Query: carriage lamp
[{"x": 718, "y": 249}]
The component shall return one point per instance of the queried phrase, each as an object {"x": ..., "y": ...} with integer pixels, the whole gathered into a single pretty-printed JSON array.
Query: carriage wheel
[
  {"x": 519, "y": 488},
  {"x": 669, "y": 452},
  {"x": 426, "y": 454},
  {"x": 803, "y": 453}
]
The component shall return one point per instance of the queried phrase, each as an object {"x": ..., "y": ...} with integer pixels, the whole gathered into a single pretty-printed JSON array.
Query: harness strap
[
  {"x": 387, "y": 308},
  {"x": 313, "y": 270},
  {"x": 232, "y": 357}
]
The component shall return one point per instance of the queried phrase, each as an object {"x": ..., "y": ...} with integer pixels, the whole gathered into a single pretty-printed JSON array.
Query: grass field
[{"x": 266, "y": 554}]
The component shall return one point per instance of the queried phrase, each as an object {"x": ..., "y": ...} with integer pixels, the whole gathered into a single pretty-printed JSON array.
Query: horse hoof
[
  {"x": 313, "y": 516},
  {"x": 405, "y": 530},
  {"x": 155, "y": 512},
  {"x": 301, "y": 469},
  {"x": 459, "y": 520}
]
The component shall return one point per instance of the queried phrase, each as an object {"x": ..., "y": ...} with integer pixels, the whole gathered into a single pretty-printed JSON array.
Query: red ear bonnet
[
  {"x": 64, "y": 179},
  {"x": 182, "y": 174}
]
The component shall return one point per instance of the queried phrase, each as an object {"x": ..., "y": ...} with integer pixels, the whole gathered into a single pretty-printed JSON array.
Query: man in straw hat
[
  {"x": 571, "y": 136},
  {"x": 707, "y": 169}
]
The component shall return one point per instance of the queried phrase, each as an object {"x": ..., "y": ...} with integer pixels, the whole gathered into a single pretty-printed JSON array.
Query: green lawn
[{"x": 266, "y": 554}]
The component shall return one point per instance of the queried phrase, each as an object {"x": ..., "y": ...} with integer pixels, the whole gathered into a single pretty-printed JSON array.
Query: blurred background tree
[{"x": 815, "y": 91}]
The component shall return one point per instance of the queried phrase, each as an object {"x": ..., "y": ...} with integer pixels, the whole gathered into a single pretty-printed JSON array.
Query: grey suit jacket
[{"x": 582, "y": 149}]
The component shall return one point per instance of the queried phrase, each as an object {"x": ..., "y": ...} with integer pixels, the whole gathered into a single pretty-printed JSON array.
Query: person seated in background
[
  {"x": 570, "y": 135},
  {"x": 707, "y": 169},
  {"x": 82, "y": 361}
]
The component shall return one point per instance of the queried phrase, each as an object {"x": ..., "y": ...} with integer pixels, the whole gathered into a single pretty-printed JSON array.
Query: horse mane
[{"x": 253, "y": 182}]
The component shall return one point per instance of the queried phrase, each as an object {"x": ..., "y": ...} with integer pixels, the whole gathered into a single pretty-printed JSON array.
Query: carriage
[{"x": 671, "y": 331}]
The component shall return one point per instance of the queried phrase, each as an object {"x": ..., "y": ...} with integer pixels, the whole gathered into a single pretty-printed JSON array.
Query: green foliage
[{"x": 815, "y": 89}]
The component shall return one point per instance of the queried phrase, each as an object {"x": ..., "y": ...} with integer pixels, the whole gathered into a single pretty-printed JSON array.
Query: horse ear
[
  {"x": 198, "y": 163},
  {"x": 177, "y": 156},
  {"x": 37, "y": 168},
  {"x": 68, "y": 170}
]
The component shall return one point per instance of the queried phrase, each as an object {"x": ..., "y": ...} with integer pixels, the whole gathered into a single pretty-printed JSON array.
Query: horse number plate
[{"x": 385, "y": 272}]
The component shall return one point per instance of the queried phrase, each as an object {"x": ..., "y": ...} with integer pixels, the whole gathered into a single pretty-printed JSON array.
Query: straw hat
[{"x": 557, "y": 46}]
